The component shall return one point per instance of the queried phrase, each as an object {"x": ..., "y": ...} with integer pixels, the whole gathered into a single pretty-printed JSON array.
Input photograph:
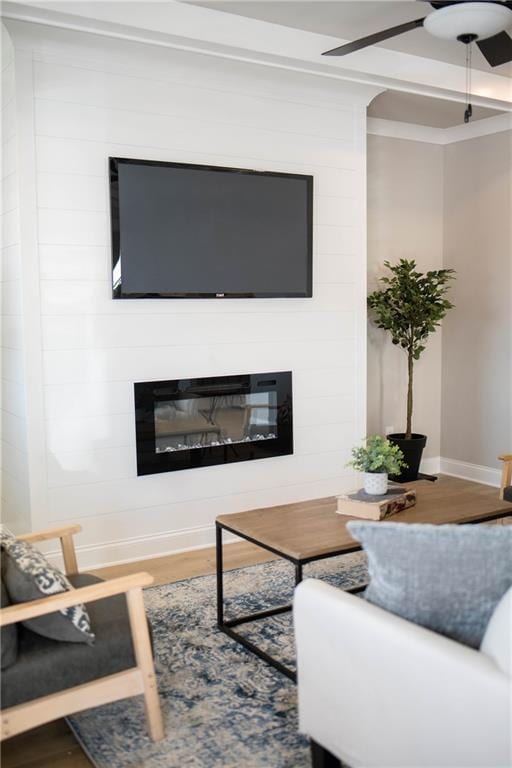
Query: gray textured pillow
[
  {"x": 29, "y": 576},
  {"x": 448, "y": 578}
]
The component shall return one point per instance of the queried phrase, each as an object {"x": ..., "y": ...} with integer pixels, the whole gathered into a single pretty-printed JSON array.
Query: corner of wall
[{"x": 15, "y": 477}]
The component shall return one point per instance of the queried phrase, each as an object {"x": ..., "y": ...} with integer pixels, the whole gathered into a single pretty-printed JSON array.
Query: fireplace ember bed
[{"x": 188, "y": 423}]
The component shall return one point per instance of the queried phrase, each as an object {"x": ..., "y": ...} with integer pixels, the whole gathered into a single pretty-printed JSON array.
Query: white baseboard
[
  {"x": 435, "y": 465},
  {"x": 467, "y": 471},
  {"x": 92, "y": 556}
]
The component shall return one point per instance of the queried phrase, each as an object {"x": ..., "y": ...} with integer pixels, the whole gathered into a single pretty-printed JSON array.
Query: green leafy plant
[
  {"x": 411, "y": 307},
  {"x": 377, "y": 455}
]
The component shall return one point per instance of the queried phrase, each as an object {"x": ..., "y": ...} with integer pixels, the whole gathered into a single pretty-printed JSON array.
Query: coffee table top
[{"x": 312, "y": 529}]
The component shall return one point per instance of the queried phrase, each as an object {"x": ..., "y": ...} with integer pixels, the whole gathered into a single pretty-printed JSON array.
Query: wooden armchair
[
  {"x": 506, "y": 477},
  {"x": 39, "y": 654}
]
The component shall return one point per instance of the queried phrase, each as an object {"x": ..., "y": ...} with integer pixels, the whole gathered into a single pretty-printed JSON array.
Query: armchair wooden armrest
[
  {"x": 139, "y": 679},
  {"x": 506, "y": 474},
  {"x": 34, "y": 608},
  {"x": 65, "y": 533}
]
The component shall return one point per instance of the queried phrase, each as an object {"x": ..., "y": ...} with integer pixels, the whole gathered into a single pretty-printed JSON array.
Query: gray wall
[
  {"x": 405, "y": 219},
  {"x": 447, "y": 205},
  {"x": 477, "y": 335}
]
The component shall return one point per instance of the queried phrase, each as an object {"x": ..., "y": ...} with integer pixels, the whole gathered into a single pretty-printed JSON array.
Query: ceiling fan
[{"x": 465, "y": 20}]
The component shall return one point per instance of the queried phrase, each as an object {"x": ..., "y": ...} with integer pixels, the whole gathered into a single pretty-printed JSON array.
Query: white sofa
[{"x": 380, "y": 692}]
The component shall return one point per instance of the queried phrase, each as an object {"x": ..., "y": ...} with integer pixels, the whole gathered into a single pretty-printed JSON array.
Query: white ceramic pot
[{"x": 376, "y": 483}]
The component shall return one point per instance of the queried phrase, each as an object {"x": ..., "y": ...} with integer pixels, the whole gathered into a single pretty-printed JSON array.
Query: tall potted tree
[{"x": 410, "y": 306}]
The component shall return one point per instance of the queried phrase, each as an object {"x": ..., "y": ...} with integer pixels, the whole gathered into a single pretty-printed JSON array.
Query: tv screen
[{"x": 193, "y": 231}]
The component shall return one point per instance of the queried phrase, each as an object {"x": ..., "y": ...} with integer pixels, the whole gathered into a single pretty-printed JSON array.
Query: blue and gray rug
[{"x": 222, "y": 706}]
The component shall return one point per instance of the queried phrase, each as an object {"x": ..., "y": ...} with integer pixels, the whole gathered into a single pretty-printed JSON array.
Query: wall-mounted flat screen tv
[{"x": 195, "y": 231}]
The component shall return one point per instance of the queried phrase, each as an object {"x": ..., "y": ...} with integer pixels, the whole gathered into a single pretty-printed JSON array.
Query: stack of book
[{"x": 362, "y": 504}]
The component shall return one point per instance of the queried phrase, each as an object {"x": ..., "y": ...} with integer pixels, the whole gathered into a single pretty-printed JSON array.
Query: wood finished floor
[{"x": 53, "y": 745}]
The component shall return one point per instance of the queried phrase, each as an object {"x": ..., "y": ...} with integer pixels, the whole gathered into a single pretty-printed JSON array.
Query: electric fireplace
[{"x": 188, "y": 423}]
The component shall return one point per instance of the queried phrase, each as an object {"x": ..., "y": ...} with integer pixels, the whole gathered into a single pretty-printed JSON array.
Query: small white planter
[{"x": 376, "y": 483}]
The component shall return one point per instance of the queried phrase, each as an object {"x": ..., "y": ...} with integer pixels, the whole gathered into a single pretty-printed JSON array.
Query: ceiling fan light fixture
[{"x": 481, "y": 19}]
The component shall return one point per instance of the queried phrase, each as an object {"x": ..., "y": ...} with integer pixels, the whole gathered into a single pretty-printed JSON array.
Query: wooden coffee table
[{"x": 311, "y": 530}]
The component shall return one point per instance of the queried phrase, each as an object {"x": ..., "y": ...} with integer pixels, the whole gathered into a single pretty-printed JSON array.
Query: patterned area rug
[{"x": 223, "y": 707}]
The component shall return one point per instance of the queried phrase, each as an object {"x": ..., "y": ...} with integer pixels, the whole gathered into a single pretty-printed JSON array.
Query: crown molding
[
  {"x": 217, "y": 33},
  {"x": 393, "y": 129},
  {"x": 411, "y": 132},
  {"x": 485, "y": 127}
]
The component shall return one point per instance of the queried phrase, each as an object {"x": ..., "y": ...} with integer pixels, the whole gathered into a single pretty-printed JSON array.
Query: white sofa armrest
[{"x": 376, "y": 690}]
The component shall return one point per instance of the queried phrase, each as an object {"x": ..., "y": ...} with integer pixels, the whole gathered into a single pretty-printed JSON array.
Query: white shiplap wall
[
  {"x": 94, "y": 97},
  {"x": 15, "y": 505}
]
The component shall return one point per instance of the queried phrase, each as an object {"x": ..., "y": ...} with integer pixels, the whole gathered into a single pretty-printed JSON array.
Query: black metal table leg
[
  {"x": 227, "y": 626},
  {"x": 220, "y": 576}
]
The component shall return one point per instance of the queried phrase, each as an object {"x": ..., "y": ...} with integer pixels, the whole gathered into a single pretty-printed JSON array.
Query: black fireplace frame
[{"x": 148, "y": 393}]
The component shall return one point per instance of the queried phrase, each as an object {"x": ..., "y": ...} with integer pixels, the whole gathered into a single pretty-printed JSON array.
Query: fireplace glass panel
[
  {"x": 188, "y": 423},
  {"x": 181, "y": 425}
]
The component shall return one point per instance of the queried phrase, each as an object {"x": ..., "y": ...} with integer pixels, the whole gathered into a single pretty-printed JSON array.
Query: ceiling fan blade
[
  {"x": 497, "y": 49},
  {"x": 364, "y": 42}
]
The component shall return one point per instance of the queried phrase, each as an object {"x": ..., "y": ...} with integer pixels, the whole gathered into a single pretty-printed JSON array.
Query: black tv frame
[{"x": 117, "y": 284}]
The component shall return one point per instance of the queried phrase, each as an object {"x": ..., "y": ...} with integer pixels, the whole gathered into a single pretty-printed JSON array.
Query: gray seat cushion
[
  {"x": 507, "y": 493},
  {"x": 8, "y": 634},
  {"x": 46, "y": 666}
]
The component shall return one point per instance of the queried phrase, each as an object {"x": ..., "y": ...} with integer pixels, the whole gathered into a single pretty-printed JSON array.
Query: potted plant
[
  {"x": 378, "y": 458},
  {"x": 410, "y": 306}
]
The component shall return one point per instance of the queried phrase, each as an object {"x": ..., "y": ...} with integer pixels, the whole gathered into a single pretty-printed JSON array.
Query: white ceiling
[
  {"x": 351, "y": 19},
  {"x": 423, "y": 110}
]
